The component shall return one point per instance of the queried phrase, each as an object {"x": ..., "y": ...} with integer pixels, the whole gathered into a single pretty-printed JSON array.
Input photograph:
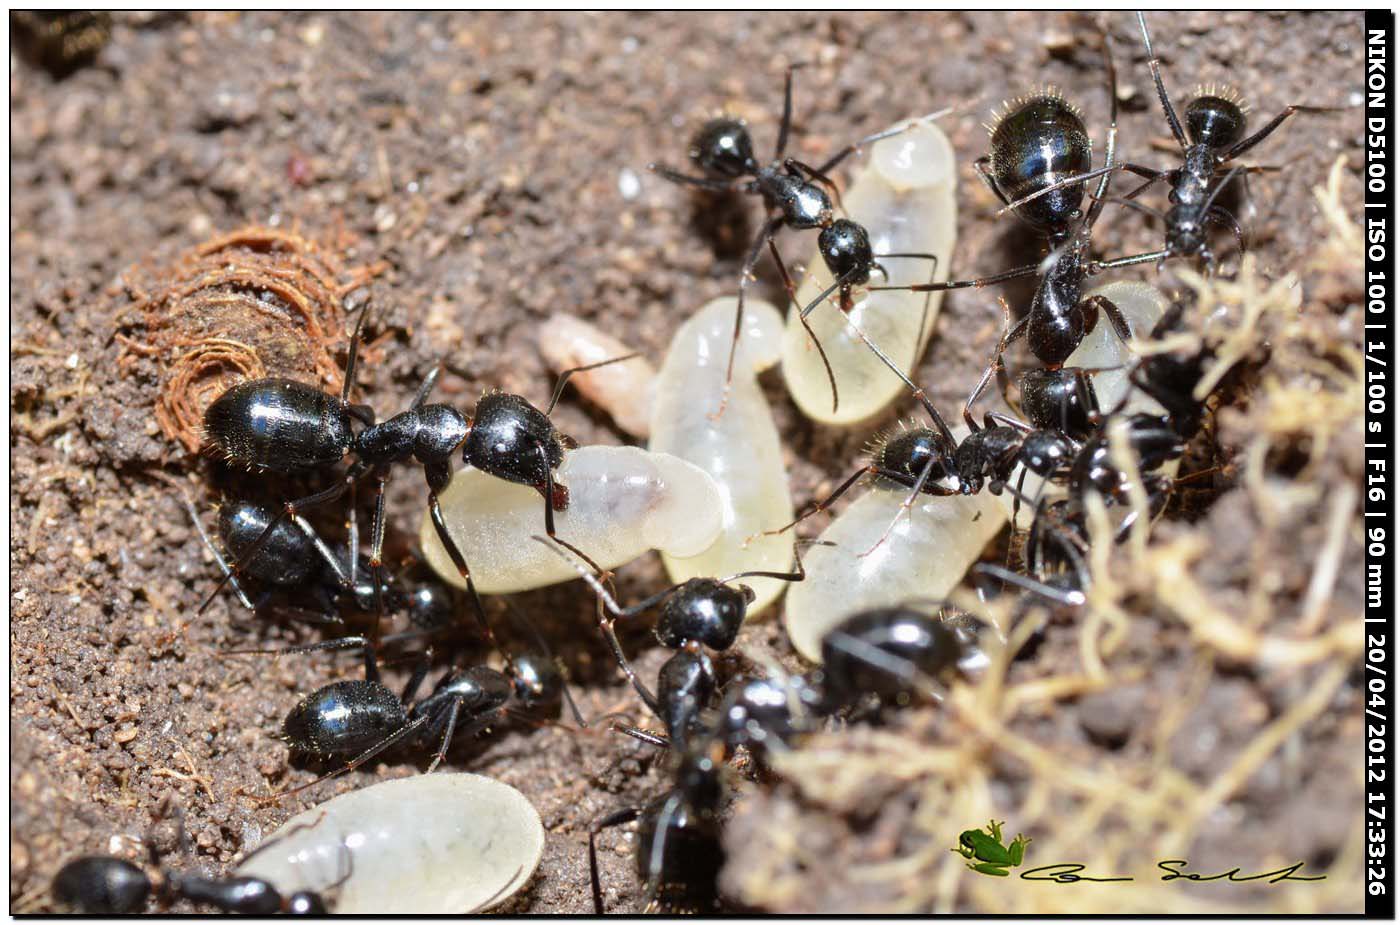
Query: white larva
[
  {"x": 905, "y": 199},
  {"x": 623, "y": 501},
  {"x": 926, "y": 556},
  {"x": 1142, "y": 306},
  {"x": 623, "y": 390},
  {"x": 740, "y": 449},
  {"x": 435, "y": 844}
]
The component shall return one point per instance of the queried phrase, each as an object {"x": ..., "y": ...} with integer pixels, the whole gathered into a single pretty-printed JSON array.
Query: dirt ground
[{"x": 496, "y": 166}]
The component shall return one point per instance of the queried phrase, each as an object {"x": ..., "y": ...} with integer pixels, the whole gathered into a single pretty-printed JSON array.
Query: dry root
[{"x": 255, "y": 302}]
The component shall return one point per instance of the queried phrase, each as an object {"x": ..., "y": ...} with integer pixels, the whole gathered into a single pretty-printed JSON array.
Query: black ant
[
  {"x": 105, "y": 885},
  {"x": 696, "y": 615},
  {"x": 678, "y": 852},
  {"x": 1034, "y": 143},
  {"x": 794, "y": 197},
  {"x": 283, "y": 426},
  {"x": 296, "y": 559},
  {"x": 360, "y": 719},
  {"x": 1213, "y": 137},
  {"x": 1059, "y": 533},
  {"x": 895, "y": 655}
]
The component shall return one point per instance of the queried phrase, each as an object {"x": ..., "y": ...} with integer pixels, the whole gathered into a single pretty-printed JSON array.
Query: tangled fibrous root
[
  {"x": 1219, "y": 656},
  {"x": 255, "y": 302}
]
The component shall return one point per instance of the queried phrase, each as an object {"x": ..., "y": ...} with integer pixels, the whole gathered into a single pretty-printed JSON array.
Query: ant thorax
[
  {"x": 905, "y": 199},
  {"x": 623, "y": 502},
  {"x": 740, "y": 448}
]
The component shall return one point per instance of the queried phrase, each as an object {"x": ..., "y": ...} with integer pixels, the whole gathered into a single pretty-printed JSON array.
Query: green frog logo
[{"x": 986, "y": 853}]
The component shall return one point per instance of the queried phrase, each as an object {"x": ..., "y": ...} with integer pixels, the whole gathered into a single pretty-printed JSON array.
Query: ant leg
[
  {"x": 792, "y": 297},
  {"x": 1228, "y": 220},
  {"x": 1243, "y": 146},
  {"x": 415, "y": 680},
  {"x": 1096, "y": 267},
  {"x": 327, "y": 645},
  {"x": 830, "y": 500},
  {"x": 917, "y": 390},
  {"x": 1026, "y": 583},
  {"x": 1095, "y": 304},
  {"x": 1111, "y": 143},
  {"x": 450, "y": 724},
  {"x": 1152, "y": 177},
  {"x": 214, "y": 551},
  {"x": 770, "y": 228},
  {"x": 1172, "y": 120},
  {"x": 376, "y": 551},
  {"x": 799, "y": 572},
  {"x": 1137, "y": 206},
  {"x": 550, "y": 488},
  {"x": 611, "y": 602},
  {"x": 642, "y": 735},
  {"x": 290, "y": 510},
  {"x": 1006, "y": 420},
  {"x": 426, "y": 386},
  {"x": 657, "y": 858},
  {"x": 1004, "y": 276},
  {"x": 907, "y": 506},
  {"x": 322, "y": 550},
  {"x": 705, "y": 183},
  {"x": 835, "y": 160},
  {"x": 568, "y": 374},
  {"x": 352, "y": 359},
  {"x": 621, "y": 817},
  {"x": 786, "y": 123},
  {"x": 998, "y": 364},
  {"x": 438, "y": 475},
  {"x": 605, "y": 599}
]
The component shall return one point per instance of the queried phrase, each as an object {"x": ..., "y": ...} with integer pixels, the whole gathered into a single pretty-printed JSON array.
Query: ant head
[
  {"x": 723, "y": 149},
  {"x": 1215, "y": 117},
  {"x": 513, "y": 440},
  {"x": 845, "y": 248},
  {"x": 704, "y": 610},
  {"x": 1035, "y": 141},
  {"x": 538, "y": 682},
  {"x": 1045, "y": 451},
  {"x": 1186, "y": 234}
]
